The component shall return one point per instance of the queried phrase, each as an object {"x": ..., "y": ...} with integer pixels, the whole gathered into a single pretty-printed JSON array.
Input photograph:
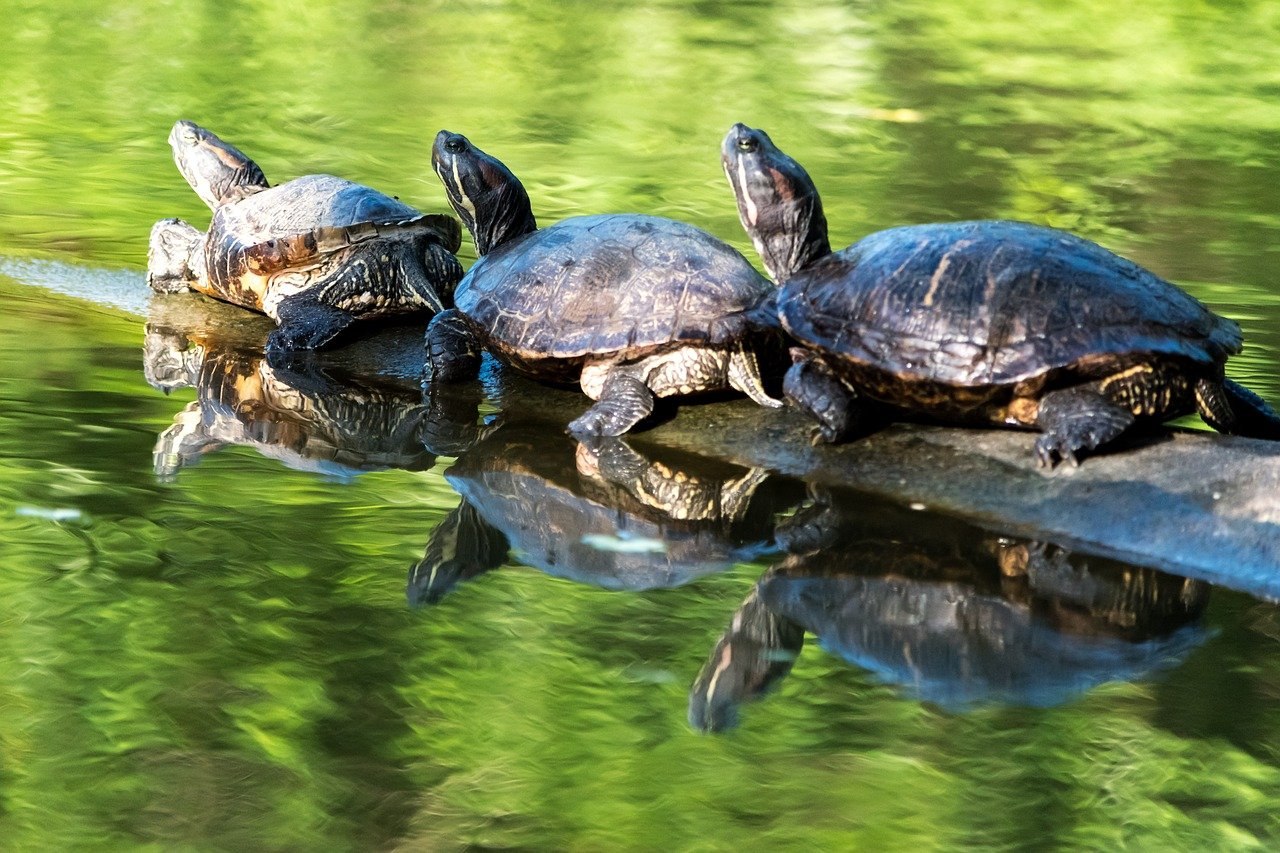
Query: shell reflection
[
  {"x": 297, "y": 412},
  {"x": 602, "y": 514},
  {"x": 956, "y": 616}
]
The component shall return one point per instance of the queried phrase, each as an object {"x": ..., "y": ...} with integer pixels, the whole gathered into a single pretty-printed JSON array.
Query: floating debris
[
  {"x": 56, "y": 514},
  {"x": 623, "y": 544}
]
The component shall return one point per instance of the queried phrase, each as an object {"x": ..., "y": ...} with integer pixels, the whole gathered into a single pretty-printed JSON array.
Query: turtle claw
[
  {"x": 823, "y": 435},
  {"x": 1050, "y": 450}
]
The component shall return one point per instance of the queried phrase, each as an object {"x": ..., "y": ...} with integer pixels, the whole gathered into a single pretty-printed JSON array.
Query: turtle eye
[
  {"x": 747, "y": 144},
  {"x": 455, "y": 145},
  {"x": 189, "y": 136}
]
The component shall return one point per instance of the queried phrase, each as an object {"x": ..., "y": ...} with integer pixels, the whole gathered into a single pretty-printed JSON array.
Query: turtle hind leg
[
  {"x": 1076, "y": 419},
  {"x": 453, "y": 351},
  {"x": 305, "y": 323},
  {"x": 624, "y": 401},
  {"x": 811, "y": 386},
  {"x": 169, "y": 255},
  {"x": 1233, "y": 409}
]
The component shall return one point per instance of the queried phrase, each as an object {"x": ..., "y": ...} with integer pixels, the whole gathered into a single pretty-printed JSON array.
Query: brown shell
[{"x": 299, "y": 224}]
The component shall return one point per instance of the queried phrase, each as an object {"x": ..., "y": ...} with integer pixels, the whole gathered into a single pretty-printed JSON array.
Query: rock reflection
[
  {"x": 604, "y": 515},
  {"x": 956, "y": 615},
  {"x": 301, "y": 415}
]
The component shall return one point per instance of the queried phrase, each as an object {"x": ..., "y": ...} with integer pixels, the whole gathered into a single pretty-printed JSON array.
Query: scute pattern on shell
[
  {"x": 307, "y": 203},
  {"x": 611, "y": 283},
  {"x": 994, "y": 302}
]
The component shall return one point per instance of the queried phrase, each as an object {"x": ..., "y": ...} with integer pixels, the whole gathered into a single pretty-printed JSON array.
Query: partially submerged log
[{"x": 1191, "y": 502}]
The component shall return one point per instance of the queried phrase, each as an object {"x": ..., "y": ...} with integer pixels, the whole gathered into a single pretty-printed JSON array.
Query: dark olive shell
[
  {"x": 615, "y": 283},
  {"x": 992, "y": 303}
]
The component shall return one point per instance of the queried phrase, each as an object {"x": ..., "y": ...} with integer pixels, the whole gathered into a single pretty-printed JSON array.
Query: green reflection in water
[{"x": 228, "y": 660}]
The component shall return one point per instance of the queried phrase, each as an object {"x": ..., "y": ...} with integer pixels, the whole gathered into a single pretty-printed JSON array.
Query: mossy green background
[{"x": 228, "y": 662}]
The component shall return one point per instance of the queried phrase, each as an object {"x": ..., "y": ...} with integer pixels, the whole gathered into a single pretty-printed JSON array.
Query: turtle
[
  {"x": 958, "y": 615},
  {"x": 315, "y": 253},
  {"x": 981, "y": 322},
  {"x": 599, "y": 513},
  {"x": 629, "y": 306}
]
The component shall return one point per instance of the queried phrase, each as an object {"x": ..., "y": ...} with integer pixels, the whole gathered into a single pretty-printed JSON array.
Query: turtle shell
[
  {"x": 298, "y": 224},
  {"x": 991, "y": 303},
  {"x": 614, "y": 283}
]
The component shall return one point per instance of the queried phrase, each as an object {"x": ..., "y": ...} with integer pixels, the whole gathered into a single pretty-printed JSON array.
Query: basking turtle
[
  {"x": 599, "y": 513},
  {"x": 957, "y": 615},
  {"x": 315, "y": 254},
  {"x": 982, "y": 322},
  {"x": 631, "y": 307}
]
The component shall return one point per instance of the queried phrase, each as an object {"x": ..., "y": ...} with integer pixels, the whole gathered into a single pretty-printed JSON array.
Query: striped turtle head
[
  {"x": 491, "y": 201},
  {"x": 777, "y": 202},
  {"x": 217, "y": 171}
]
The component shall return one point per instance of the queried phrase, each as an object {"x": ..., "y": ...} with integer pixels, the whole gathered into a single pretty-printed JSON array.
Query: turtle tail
[{"x": 1231, "y": 408}]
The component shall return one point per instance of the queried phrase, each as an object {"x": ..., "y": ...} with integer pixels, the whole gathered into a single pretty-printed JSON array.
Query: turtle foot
[
  {"x": 624, "y": 402},
  {"x": 1075, "y": 420},
  {"x": 453, "y": 352}
]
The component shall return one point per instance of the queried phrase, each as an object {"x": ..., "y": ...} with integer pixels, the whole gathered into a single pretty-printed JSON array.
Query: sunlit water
[{"x": 251, "y": 607}]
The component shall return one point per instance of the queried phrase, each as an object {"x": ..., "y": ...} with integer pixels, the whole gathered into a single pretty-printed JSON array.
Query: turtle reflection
[
  {"x": 300, "y": 415},
  {"x": 599, "y": 513},
  {"x": 956, "y": 615}
]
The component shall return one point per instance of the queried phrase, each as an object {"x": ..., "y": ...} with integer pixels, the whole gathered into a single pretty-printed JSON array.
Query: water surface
[{"x": 253, "y": 607}]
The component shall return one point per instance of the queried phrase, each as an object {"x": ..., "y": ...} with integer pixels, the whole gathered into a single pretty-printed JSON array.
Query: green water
[{"x": 223, "y": 655}]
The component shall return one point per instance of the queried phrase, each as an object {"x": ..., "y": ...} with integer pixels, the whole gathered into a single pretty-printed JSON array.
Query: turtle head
[
  {"x": 491, "y": 201},
  {"x": 755, "y": 653},
  {"x": 217, "y": 171},
  {"x": 777, "y": 202}
]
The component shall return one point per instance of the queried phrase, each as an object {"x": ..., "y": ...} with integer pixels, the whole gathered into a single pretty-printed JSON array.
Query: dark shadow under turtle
[
  {"x": 315, "y": 254},
  {"x": 987, "y": 322},
  {"x": 956, "y": 615},
  {"x": 629, "y": 307}
]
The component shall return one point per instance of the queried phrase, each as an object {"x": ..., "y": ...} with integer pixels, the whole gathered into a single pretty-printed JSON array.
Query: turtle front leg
[
  {"x": 1076, "y": 419},
  {"x": 443, "y": 272},
  {"x": 625, "y": 400},
  {"x": 811, "y": 386},
  {"x": 169, "y": 256},
  {"x": 744, "y": 376},
  {"x": 305, "y": 323},
  {"x": 453, "y": 350}
]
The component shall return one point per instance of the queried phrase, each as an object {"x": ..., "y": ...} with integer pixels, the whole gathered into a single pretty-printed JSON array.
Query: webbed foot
[
  {"x": 306, "y": 324},
  {"x": 1076, "y": 419},
  {"x": 812, "y": 387},
  {"x": 453, "y": 351},
  {"x": 1233, "y": 409},
  {"x": 624, "y": 402}
]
